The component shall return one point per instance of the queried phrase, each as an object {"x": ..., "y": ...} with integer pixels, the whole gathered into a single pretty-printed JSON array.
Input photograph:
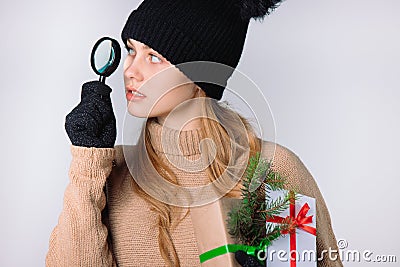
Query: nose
[{"x": 132, "y": 68}]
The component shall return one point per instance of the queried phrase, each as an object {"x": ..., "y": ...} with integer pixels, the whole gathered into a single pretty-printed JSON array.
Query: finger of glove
[
  {"x": 92, "y": 123},
  {"x": 84, "y": 119},
  {"x": 100, "y": 109},
  {"x": 246, "y": 260},
  {"x": 79, "y": 133},
  {"x": 98, "y": 93},
  {"x": 96, "y": 89},
  {"x": 109, "y": 133},
  {"x": 102, "y": 103}
]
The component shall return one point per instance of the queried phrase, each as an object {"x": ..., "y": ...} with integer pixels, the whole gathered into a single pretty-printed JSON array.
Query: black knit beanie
[{"x": 197, "y": 30}]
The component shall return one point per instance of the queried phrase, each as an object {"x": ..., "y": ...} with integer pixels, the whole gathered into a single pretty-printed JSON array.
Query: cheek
[
  {"x": 172, "y": 99},
  {"x": 127, "y": 62},
  {"x": 161, "y": 99}
]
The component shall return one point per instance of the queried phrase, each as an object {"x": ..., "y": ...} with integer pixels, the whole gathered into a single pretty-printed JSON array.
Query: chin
[
  {"x": 136, "y": 115},
  {"x": 141, "y": 113},
  {"x": 137, "y": 112}
]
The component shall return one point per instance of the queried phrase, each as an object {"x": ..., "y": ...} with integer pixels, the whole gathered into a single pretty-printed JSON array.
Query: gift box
[
  {"x": 212, "y": 234},
  {"x": 297, "y": 246}
]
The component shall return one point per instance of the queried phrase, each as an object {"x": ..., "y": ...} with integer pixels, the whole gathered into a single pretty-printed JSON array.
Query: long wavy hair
[{"x": 215, "y": 114}]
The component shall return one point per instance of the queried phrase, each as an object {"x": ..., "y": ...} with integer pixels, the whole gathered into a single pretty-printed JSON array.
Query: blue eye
[
  {"x": 130, "y": 51},
  {"x": 157, "y": 58},
  {"x": 154, "y": 58}
]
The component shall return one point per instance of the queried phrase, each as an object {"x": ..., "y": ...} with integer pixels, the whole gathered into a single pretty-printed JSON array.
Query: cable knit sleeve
[
  {"x": 80, "y": 237},
  {"x": 288, "y": 164}
]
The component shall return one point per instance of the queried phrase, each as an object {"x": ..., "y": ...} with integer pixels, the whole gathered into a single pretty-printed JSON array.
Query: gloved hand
[
  {"x": 246, "y": 260},
  {"x": 92, "y": 122}
]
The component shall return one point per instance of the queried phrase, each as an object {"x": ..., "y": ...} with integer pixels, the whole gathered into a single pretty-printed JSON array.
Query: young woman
[{"x": 189, "y": 140}]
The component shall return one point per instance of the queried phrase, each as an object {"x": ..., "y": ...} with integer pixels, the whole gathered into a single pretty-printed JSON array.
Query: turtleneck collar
[
  {"x": 174, "y": 142},
  {"x": 180, "y": 150}
]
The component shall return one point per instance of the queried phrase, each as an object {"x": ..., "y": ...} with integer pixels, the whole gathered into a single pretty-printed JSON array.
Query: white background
[{"x": 329, "y": 69}]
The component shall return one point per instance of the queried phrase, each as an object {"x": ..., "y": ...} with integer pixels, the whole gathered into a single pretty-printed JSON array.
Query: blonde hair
[{"x": 210, "y": 128}]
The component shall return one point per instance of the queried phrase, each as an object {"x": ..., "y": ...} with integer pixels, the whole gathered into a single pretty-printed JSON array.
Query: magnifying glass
[{"x": 105, "y": 57}]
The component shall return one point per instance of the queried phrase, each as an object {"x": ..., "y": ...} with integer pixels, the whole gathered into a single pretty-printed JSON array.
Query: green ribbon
[{"x": 232, "y": 248}]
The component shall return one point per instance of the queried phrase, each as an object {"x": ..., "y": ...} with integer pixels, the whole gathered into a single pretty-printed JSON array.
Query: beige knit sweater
[{"x": 80, "y": 237}]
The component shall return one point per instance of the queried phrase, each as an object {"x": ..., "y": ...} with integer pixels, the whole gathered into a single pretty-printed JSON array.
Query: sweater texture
[{"x": 128, "y": 234}]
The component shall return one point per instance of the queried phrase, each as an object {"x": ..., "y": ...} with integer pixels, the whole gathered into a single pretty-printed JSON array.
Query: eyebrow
[{"x": 144, "y": 46}]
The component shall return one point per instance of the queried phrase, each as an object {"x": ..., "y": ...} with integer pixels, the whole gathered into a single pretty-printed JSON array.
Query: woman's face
[{"x": 160, "y": 84}]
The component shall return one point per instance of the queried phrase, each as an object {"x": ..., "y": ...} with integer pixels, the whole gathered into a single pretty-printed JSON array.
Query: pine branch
[
  {"x": 275, "y": 181},
  {"x": 277, "y": 206},
  {"x": 247, "y": 222}
]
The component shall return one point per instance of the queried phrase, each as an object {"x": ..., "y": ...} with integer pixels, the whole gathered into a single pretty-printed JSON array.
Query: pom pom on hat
[{"x": 257, "y": 9}]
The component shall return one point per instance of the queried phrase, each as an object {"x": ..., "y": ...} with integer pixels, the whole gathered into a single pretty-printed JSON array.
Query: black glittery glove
[
  {"x": 92, "y": 122},
  {"x": 246, "y": 260}
]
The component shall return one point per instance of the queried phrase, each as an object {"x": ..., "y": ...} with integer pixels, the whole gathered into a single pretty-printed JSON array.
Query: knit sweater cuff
[{"x": 91, "y": 163}]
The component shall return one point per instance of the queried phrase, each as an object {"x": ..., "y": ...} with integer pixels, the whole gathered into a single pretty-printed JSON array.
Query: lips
[{"x": 133, "y": 91}]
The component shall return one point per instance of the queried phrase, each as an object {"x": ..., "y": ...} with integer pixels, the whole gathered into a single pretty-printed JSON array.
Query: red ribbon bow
[{"x": 298, "y": 221}]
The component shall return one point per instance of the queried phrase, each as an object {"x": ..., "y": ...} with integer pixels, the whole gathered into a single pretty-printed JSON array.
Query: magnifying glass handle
[{"x": 102, "y": 79}]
